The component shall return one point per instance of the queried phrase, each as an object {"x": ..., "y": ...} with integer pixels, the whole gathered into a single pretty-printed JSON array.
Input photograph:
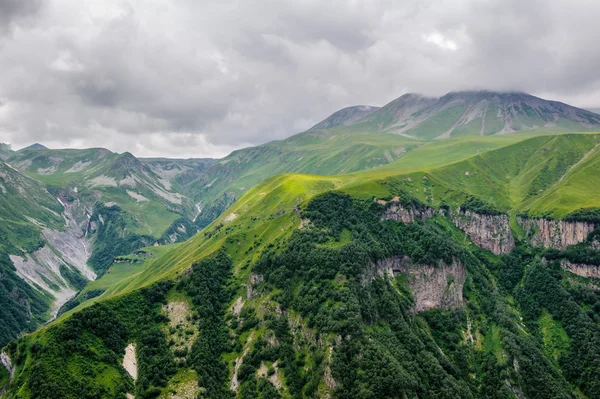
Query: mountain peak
[
  {"x": 35, "y": 146},
  {"x": 345, "y": 116}
]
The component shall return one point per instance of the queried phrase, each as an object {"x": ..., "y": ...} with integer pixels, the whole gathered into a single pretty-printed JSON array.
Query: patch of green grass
[{"x": 555, "y": 339}]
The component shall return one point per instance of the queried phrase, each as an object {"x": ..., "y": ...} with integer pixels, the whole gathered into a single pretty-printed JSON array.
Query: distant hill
[
  {"x": 471, "y": 113},
  {"x": 345, "y": 116}
]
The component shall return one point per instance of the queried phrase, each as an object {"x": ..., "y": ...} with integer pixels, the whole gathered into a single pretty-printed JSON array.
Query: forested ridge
[{"x": 318, "y": 318}]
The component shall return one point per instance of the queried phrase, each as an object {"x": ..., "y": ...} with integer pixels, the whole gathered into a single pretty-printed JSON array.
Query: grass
[
  {"x": 500, "y": 166},
  {"x": 555, "y": 339}
]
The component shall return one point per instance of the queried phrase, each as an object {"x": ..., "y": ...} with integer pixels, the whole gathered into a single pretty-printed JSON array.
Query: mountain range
[{"x": 433, "y": 247}]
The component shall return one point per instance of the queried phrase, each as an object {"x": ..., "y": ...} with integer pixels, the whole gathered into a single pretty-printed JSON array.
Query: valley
[{"x": 434, "y": 247}]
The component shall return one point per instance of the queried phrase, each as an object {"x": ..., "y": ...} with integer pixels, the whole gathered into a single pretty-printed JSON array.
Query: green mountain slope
[
  {"x": 426, "y": 254},
  {"x": 5, "y": 151},
  {"x": 308, "y": 286},
  {"x": 345, "y": 116},
  {"x": 475, "y": 113}
]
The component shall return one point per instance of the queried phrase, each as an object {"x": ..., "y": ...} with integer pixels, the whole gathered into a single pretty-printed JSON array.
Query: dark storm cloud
[
  {"x": 14, "y": 11},
  {"x": 200, "y": 78}
]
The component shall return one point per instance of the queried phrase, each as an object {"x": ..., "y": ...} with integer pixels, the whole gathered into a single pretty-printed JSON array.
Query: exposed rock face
[
  {"x": 6, "y": 362},
  {"x": 558, "y": 234},
  {"x": 396, "y": 211},
  {"x": 130, "y": 361},
  {"x": 432, "y": 287},
  {"x": 581, "y": 269},
  {"x": 491, "y": 232}
]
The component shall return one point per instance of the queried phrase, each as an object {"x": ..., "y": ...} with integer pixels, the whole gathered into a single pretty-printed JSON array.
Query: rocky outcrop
[
  {"x": 7, "y": 363},
  {"x": 130, "y": 361},
  {"x": 437, "y": 286},
  {"x": 558, "y": 234},
  {"x": 581, "y": 269},
  {"x": 394, "y": 210},
  {"x": 491, "y": 232}
]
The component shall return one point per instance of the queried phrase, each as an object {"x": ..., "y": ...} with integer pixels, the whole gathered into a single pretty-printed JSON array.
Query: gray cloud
[
  {"x": 14, "y": 11},
  {"x": 201, "y": 78}
]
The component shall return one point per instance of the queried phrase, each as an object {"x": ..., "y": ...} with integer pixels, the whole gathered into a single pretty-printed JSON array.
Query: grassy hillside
[
  {"x": 267, "y": 213},
  {"x": 322, "y": 319},
  {"x": 475, "y": 113}
]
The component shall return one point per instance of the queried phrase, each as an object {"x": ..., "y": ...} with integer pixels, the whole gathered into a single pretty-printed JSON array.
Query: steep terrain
[
  {"x": 395, "y": 282},
  {"x": 395, "y": 266},
  {"x": 5, "y": 151},
  {"x": 345, "y": 116},
  {"x": 475, "y": 113}
]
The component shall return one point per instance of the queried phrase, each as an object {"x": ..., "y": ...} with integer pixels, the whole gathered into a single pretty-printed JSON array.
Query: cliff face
[
  {"x": 396, "y": 211},
  {"x": 491, "y": 232},
  {"x": 5, "y": 361},
  {"x": 581, "y": 269},
  {"x": 438, "y": 287},
  {"x": 558, "y": 234}
]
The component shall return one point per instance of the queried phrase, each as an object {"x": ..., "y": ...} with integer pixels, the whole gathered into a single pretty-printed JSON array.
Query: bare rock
[
  {"x": 558, "y": 234},
  {"x": 581, "y": 269},
  {"x": 491, "y": 232},
  {"x": 394, "y": 210}
]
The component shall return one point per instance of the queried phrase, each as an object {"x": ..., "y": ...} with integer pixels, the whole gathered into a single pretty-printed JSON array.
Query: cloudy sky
[{"x": 198, "y": 78}]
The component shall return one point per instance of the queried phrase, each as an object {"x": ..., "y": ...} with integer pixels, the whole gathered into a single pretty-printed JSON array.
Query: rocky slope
[
  {"x": 433, "y": 287},
  {"x": 581, "y": 269},
  {"x": 476, "y": 113},
  {"x": 487, "y": 231},
  {"x": 554, "y": 233},
  {"x": 395, "y": 210},
  {"x": 345, "y": 116}
]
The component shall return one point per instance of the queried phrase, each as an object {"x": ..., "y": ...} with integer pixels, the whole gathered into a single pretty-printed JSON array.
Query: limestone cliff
[
  {"x": 437, "y": 286},
  {"x": 558, "y": 234},
  {"x": 394, "y": 210},
  {"x": 581, "y": 269},
  {"x": 491, "y": 232}
]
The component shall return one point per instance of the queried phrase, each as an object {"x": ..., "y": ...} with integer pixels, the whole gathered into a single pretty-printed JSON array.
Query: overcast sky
[{"x": 198, "y": 78}]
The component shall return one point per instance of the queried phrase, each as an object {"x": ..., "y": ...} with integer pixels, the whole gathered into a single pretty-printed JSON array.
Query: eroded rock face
[
  {"x": 558, "y": 234},
  {"x": 6, "y": 362},
  {"x": 581, "y": 269},
  {"x": 491, "y": 232},
  {"x": 396, "y": 211},
  {"x": 438, "y": 286}
]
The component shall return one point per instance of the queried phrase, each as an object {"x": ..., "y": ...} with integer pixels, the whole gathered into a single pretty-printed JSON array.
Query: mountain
[
  {"x": 66, "y": 214},
  {"x": 381, "y": 137},
  {"x": 345, "y": 116},
  {"x": 5, "y": 151},
  {"x": 476, "y": 113},
  {"x": 396, "y": 266},
  {"x": 594, "y": 110},
  {"x": 465, "y": 271},
  {"x": 35, "y": 146}
]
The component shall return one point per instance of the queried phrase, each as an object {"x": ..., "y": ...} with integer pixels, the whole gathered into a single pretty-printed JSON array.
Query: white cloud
[{"x": 440, "y": 41}]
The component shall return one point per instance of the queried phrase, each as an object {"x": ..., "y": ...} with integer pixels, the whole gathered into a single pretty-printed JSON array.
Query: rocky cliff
[
  {"x": 394, "y": 210},
  {"x": 437, "y": 286},
  {"x": 581, "y": 269},
  {"x": 6, "y": 362},
  {"x": 491, "y": 232},
  {"x": 558, "y": 234}
]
